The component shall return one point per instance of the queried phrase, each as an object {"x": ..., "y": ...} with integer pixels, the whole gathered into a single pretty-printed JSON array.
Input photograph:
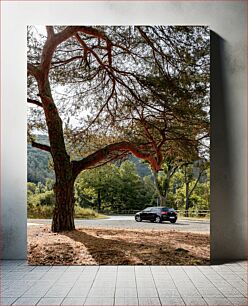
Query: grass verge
[{"x": 46, "y": 212}]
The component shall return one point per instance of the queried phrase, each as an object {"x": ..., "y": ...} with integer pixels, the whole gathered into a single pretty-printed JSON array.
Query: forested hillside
[
  {"x": 38, "y": 163},
  {"x": 39, "y": 169}
]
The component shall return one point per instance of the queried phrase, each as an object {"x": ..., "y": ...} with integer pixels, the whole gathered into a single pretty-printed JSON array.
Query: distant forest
[{"x": 120, "y": 186}]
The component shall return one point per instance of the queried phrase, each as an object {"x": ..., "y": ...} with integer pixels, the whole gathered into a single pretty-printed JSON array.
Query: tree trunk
[
  {"x": 99, "y": 200},
  {"x": 63, "y": 215},
  {"x": 189, "y": 193},
  {"x": 156, "y": 182},
  {"x": 186, "y": 212},
  {"x": 166, "y": 190},
  {"x": 162, "y": 200},
  {"x": 187, "y": 200}
]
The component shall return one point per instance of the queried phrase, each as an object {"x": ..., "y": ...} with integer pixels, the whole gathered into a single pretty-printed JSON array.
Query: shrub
[
  {"x": 47, "y": 198},
  {"x": 46, "y": 212},
  {"x": 40, "y": 212},
  {"x": 87, "y": 213}
]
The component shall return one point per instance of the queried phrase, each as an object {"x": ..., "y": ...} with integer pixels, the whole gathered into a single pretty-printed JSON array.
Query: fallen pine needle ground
[{"x": 101, "y": 246}]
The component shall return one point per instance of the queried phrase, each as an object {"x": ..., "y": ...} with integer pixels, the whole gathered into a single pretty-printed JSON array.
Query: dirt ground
[{"x": 101, "y": 246}]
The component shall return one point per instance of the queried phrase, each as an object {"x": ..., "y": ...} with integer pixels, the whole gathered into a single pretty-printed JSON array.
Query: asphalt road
[{"x": 128, "y": 222}]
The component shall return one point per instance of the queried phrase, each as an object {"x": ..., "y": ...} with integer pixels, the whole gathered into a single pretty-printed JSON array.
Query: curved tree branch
[
  {"x": 41, "y": 146},
  {"x": 198, "y": 178},
  {"x": 35, "y": 102},
  {"x": 103, "y": 153},
  {"x": 59, "y": 63},
  {"x": 53, "y": 40},
  {"x": 50, "y": 31},
  {"x": 34, "y": 71}
]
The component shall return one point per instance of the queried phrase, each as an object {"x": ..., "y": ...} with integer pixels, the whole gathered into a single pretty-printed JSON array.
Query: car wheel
[
  {"x": 173, "y": 221},
  {"x": 138, "y": 219},
  {"x": 158, "y": 219}
]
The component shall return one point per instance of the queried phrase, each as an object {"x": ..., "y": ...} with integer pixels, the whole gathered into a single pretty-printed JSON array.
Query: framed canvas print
[
  {"x": 118, "y": 145},
  {"x": 115, "y": 202}
]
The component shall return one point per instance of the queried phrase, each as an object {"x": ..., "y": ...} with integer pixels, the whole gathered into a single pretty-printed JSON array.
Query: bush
[
  {"x": 41, "y": 205},
  {"x": 44, "y": 199},
  {"x": 87, "y": 213},
  {"x": 47, "y": 198},
  {"x": 40, "y": 212},
  {"x": 46, "y": 212}
]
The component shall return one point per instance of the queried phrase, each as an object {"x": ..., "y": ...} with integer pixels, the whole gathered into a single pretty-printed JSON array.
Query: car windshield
[
  {"x": 165, "y": 209},
  {"x": 168, "y": 209},
  {"x": 147, "y": 209}
]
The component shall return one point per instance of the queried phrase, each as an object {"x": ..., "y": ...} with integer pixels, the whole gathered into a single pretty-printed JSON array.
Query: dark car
[{"x": 157, "y": 214}]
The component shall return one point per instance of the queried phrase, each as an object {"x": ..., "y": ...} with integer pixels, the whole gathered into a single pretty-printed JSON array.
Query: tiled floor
[{"x": 123, "y": 285}]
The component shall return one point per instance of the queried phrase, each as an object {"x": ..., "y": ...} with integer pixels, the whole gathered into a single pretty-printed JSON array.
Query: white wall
[{"x": 227, "y": 20}]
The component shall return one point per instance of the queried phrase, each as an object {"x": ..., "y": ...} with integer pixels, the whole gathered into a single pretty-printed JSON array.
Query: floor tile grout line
[
  {"x": 236, "y": 304},
  {"x": 29, "y": 287},
  {"x": 117, "y": 270},
  {"x": 136, "y": 285},
  {"x": 231, "y": 284},
  {"x": 204, "y": 298},
  {"x": 73, "y": 285},
  {"x": 38, "y": 301},
  {"x": 194, "y": 284},
  {"x": 216, "y": 272},
  {"x": 227, "y": 281},
  {"x": 98, "y": 267},
  {"x": 175, "y": 286},
  {"x": 14, "y": 301},
  {"x": 240, "y": 277},
  {"x": 47, "y": 289},
  {"x": 213, "y": 283},
  {"x": 155, "y": 287},
  {"x": 236, "y": 274}
]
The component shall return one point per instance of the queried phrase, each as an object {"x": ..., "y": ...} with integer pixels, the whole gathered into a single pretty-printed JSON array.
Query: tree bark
[
  {"x": 166, "y": 189},
  {"x": 63, "y": 215},
  {"x": 187, "y": 200},
  {"x": 99, "y": 200},
  {"x": 160, "y": 195},
  {"x": 189, "y": 193},
  {"x": 162, "y": 200}
]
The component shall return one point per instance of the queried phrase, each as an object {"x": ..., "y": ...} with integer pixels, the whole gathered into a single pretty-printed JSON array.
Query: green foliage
[
  {"x": 40, "y": 212},
  {"x": 41, "y": 205},
  {"x": 199, "y": 199},
  {"x": 141, "y": 167},
  {"x": 159, "y": 82},
  {"x": 46, "y": 212},
  {"x": 39, "y": 169},
  {"x": 87, "y": 213},
  {"x": 38, "y": 163},
  {"x": 46, "y": 198},
  {"x": 120, "y": 188},
  {"x": 31, "y": 187}
]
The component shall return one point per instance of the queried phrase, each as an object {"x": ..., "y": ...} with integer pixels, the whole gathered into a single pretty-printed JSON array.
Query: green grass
[
  {"x": 46, "y": 212},
  {"x": 87, "y": 213},
  {"x": 194, "y": 217}
]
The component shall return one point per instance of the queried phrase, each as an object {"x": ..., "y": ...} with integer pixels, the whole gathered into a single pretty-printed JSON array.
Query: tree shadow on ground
[{"x": 138, "y": 251}]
